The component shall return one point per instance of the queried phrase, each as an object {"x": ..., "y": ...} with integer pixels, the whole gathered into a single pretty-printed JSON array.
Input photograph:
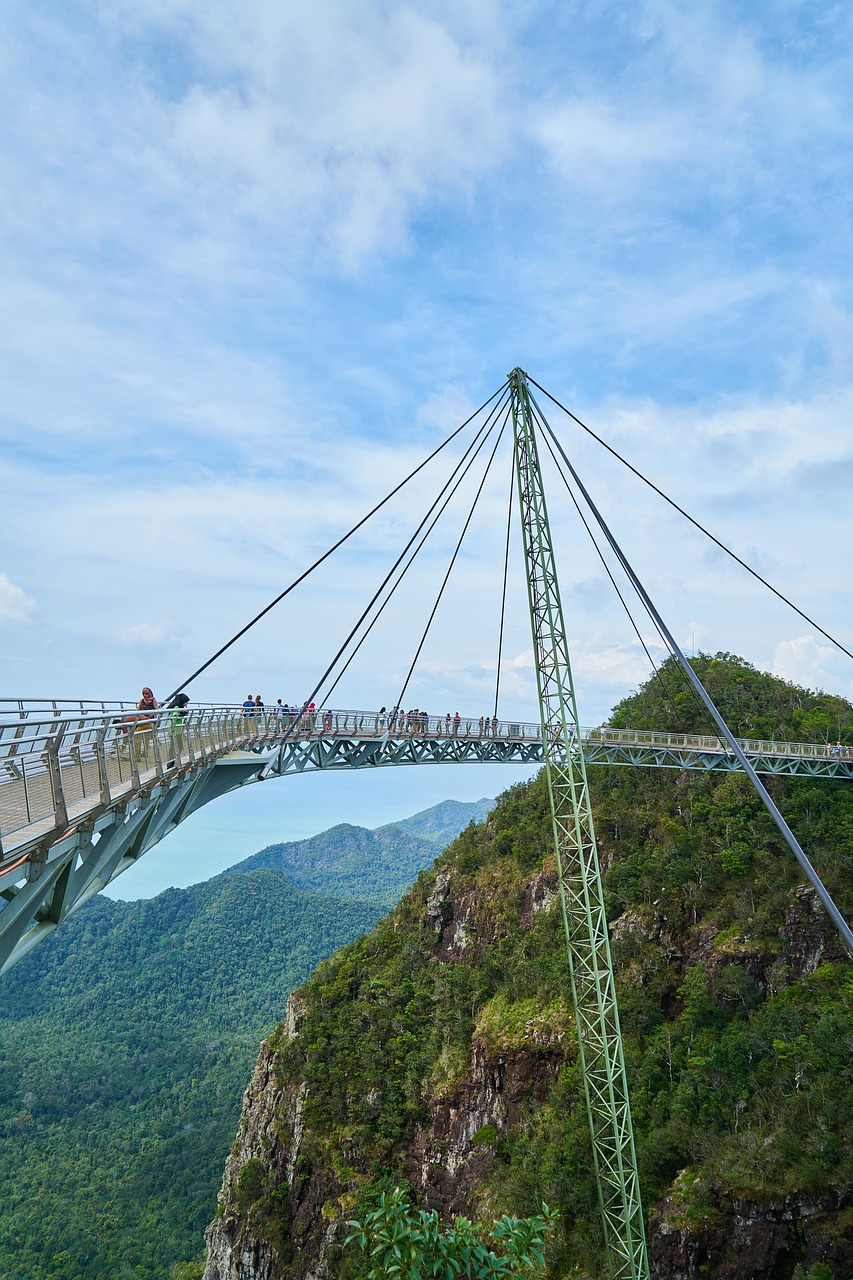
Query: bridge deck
[
  {"x": 57, "y": 772},
  {"x": 86, "y": 790}
]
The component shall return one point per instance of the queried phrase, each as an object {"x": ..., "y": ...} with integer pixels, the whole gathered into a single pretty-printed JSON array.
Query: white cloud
[
  {"x": 804, "y": 661},
  {"x": 16, "y": 607},
  {"x": 326, "y": 125},
  {"x": 152, "y": 635}
]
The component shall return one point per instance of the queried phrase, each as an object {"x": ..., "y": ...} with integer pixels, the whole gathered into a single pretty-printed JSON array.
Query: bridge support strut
[{"x": 581, "y": 891}]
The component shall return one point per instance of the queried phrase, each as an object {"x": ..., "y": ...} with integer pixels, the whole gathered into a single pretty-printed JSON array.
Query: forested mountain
[
  {"x": 380, "y": 864},
  {"x": 127, "y": 1039},
  {"x": 439, "y": 1052}
]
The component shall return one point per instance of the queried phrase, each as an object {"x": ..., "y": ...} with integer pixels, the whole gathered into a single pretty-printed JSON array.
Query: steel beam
[{"x": 581, "y": 890}]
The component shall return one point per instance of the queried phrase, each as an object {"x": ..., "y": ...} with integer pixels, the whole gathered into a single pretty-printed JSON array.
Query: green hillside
[
  {"x": 377, "y": 865},
  {"x": 128, "y": 1037},
  {"x": 439, "y": 1050},
  {"x": 126, "y": 1041}
]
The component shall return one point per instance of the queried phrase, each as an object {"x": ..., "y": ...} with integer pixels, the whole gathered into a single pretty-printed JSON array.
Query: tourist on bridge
[
  {"x": 249, "y": 705},
  {"x": 148, "y": 702},
  {"x": 457, "y": 720},
  {"x": 178, "y": 707},
  {"x": 280, "y": 710},
  {"x": 380, "y": 726},
  {"x": 142, "y": 731}
]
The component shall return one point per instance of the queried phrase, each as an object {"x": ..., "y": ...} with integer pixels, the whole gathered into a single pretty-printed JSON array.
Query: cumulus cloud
[
  {"x": 152, "y": 635},
  {"x": 326, "y": 124},
  {"x": 804, "y": 661},
  {"x": 16, "y": 607},
  {"x": 603, "y": 664}
]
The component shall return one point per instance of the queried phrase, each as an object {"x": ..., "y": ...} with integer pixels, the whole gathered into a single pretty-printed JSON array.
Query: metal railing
[{"x": 81, "y": 757}]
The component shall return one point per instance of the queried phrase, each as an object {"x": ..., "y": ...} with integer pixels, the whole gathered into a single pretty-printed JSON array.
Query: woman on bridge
[{"x": 144, "y": 724}]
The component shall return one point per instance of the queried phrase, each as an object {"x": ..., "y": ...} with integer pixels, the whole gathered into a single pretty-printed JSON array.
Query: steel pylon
[{"x": 581, "y": 892}]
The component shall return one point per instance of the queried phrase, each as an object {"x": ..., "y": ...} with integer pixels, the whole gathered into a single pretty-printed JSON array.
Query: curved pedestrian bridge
[{"x": 87, "y": 788}]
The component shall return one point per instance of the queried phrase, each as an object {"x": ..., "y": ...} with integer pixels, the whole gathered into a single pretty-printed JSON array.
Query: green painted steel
[
  {"x": 78, "y": 807},
  {"x": 581, "y": 890}
]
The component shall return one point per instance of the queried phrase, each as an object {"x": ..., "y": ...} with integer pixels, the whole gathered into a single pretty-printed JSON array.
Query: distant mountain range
[
  {"x": 127, "y": 1038},
  {"x": 363, "y": 865}
]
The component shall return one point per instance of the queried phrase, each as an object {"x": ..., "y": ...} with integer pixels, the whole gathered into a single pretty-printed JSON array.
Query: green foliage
[
  {"x": 753, "y": 704},
  {"x": 373, "y": 866},
  {"x": 412, "y": 1244},
  {"x": 188, "y": 1270},
  {"x": 739, "y": 1072},
  {"x": 126, "y": 1040},
  {"x": 250, "y": 1184}
]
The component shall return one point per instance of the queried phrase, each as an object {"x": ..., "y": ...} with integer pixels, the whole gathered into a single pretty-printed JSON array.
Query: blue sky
[{"x": 257, "y": 260}]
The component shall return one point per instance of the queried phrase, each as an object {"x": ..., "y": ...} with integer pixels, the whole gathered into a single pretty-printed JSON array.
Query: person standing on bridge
[
  {"x": 178, "y": 707},
  {"x": 249, "y": 705},
  {"x": 142, "y": 732}
]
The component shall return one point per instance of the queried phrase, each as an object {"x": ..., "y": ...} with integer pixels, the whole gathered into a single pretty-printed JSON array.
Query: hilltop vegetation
[
  {"x": 377, "y": 865},
  {"x": 736, "y": 1003},
  {"x": 127, "y": 1039}
]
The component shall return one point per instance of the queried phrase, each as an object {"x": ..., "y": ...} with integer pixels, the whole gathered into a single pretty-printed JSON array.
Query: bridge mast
[{"x": 581, "y": 891}]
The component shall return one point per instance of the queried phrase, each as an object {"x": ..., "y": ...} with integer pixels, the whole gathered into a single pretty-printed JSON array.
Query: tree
[{"x": 412, "y": 1244}]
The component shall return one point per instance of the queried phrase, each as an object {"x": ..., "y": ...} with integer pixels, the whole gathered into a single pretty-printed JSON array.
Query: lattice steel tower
[{"x": 581, "y": 892}]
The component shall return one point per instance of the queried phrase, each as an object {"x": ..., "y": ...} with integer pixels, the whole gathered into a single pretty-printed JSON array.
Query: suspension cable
[
  {"x": 334, "y": 547},
  {"x": 453, "y": 560},
  {"x": 493, "y": 413},
  {"x": 503, "y": 593},
  {"x": 698, "y": 702},
  {"x": 695, "y": 523},
  {"x": 786, "y": 832},
  {"x": 607, "y": 570},
  {"x": 395, "y": 565}
]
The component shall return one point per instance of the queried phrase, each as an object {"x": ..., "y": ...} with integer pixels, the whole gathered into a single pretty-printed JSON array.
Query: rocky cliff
[{"x": 439, "y": 1051}]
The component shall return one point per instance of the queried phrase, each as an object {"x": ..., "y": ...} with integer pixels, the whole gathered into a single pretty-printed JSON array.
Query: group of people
[
  {"x": 393, "y": 721},
  {"x": 416, "y": 721},
  {"x": 140, "y": 726}
]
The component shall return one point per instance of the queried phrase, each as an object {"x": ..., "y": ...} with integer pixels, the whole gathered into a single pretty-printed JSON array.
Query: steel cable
[
  {"x": 607, "y": 570},
  {"x": 453, "y": 560},
  {"x": 333, "y": 548},
  {"x": 779, "y": 594},
  {"x": 735, "y": 747},
  {"x": 394, "y": 566},
  {"x": 493, "y": 413},
  {"x": 503, "y": 593}
]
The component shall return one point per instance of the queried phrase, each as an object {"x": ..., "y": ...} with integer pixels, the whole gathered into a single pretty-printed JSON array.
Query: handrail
[
  {"x": 57, "y": 768},
  {"x": 29, "y": 719}
]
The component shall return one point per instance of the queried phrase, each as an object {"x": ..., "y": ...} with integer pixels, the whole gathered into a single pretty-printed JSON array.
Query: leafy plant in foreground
[{"x": 411, "y": 1244}]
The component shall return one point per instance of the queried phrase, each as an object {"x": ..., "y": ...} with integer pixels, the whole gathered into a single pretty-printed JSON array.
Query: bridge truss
[
  {"x": 79, "y": 806},
  {"x": 86, "y": 790},
  {"x": 591, "y": 973}
]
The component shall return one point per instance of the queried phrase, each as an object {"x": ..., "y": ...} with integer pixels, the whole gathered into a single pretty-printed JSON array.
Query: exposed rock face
[
  {"x": 285, "y": 1199},
  {"x": 446, "y": 1159},
  {"x": 756, "y": 1241},
  {"x": 235, "y": 1250}
]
